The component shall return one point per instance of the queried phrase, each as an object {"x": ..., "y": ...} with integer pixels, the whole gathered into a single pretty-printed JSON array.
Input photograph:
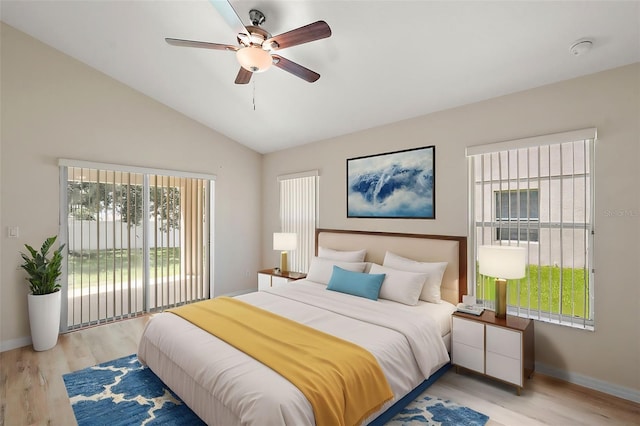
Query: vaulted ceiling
[{"x": 385, "y": 61}]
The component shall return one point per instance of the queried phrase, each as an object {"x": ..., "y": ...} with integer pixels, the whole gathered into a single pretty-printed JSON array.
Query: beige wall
[
  {"x": 608, "y": 358},
  {"x": 56, "y": 107}
]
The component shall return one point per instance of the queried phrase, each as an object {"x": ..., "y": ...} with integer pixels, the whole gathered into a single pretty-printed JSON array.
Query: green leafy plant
[{"x": 43, "y": 272}]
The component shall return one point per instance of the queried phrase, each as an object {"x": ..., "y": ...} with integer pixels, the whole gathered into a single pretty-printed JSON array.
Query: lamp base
[
  {"x": 283, "y": 262},
  {"x": 501, "y": 298}
]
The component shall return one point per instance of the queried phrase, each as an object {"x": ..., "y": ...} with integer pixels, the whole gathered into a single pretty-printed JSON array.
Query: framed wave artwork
[{"x": 400, "y": 184}]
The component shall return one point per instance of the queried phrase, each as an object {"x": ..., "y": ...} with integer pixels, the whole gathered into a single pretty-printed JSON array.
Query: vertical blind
[
  {"x": 537, "y": 193},
  {"x": 298, "y": 214},
  {"x": 136, "y": 241}
]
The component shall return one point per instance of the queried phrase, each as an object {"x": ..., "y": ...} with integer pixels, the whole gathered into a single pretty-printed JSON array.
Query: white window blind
[
  {"x": 137, "y": 240},
  {"x": 298, "y": 214},
  {"x": 537, "y": 193}
]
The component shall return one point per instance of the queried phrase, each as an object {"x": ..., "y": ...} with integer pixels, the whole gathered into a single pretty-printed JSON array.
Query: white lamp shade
[
  {"x": 502, "y": 261},
  {"x": 254, "y": 58},
  {"x": 285, "y": 241}
]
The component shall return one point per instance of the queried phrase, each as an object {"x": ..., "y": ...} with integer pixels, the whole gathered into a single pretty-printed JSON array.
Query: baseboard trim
[
  {"x": 589, "y": 382},
  {"x": 7, "y": 345}
]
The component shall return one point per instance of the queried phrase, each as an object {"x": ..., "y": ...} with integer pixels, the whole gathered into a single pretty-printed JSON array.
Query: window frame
[
  {"x": 523, "y": 223},
  {"x": 589, "y": 138}
]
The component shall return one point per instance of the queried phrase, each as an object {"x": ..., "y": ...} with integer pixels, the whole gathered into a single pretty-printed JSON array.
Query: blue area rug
[
  {"x": 429, "y": 410},
  {"x": 123, "y": 392}
]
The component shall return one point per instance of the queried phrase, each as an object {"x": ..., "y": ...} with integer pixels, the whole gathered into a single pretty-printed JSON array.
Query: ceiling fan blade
[
  {"x": 243, "y": 76},
  {"x": 295, "y": 69},
  {"x": 310, "y": 32},
  {"x": 230, "y": 16},
  {"x": 200, "y": 44}
]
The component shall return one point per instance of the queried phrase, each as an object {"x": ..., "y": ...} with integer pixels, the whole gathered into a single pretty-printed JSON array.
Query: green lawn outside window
[
  {"x": 575, "y": 288},
  {"x": 93, "y": 267}
]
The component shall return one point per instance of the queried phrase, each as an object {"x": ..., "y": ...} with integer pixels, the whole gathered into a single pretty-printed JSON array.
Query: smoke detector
[{"x": 581, "y": 47}]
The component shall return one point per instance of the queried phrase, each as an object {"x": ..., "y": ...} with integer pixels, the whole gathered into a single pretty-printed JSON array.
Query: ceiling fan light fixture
[
  {"x": 254, "y": 58},
  {"x": 255, "y": 44},
  {"x": 270, "y": 45}
]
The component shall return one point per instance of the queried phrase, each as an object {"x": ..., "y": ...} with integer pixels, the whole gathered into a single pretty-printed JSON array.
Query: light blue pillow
[{"x": 356, "y": 283}]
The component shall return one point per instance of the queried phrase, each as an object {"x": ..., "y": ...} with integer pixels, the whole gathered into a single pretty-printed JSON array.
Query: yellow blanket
[{"x": 342, "y": 381}]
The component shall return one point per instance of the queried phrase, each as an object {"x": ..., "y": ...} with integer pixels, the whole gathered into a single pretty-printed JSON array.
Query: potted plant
[{"x": 44, "y": 300}]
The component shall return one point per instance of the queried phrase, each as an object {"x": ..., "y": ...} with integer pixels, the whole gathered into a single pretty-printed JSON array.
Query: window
[
  {"x": 537, "y": 193},
  {"x": 137, "y": 240},
  {"x": 298, "y": 214},
  {"x": 516, "y": 208}
]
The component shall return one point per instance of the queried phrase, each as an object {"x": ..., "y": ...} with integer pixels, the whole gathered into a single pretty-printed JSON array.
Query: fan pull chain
[{"x": 254, "y": 94}]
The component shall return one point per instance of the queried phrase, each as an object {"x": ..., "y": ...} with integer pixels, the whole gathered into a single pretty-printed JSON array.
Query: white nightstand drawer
[
  {"x": 502, "y": 348},
  {"x": 264, "y": 281},
  {"x": 276, "y": 281},
  {"x": 468, "y": 332},
  {"x": 269, "y": 278},
  {"x": 504, "y": 368},
  {"x": 468, "y": 356},
  {"x": 504, "y": 342}
]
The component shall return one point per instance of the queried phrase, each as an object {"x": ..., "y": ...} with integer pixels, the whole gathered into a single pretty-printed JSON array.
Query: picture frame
[{"x": 393, "y": 185}]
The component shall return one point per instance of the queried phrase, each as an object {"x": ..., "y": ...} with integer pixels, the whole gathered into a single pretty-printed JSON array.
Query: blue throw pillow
[{"x": 356, "y": 283}]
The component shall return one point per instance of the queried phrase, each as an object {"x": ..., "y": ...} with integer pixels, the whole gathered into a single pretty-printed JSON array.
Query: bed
[{"x": 224, "y": 386}]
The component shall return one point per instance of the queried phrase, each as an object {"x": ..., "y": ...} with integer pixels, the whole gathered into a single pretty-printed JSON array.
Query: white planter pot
[{"x": 44, "y": 319}]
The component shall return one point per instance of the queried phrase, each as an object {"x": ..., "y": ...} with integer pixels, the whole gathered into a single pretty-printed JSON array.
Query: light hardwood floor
[{"x": 32, "y": 391}]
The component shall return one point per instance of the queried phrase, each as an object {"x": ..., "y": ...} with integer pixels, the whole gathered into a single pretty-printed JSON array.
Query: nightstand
[
  {"x": 272, "y": 278},
  {"x": 501, "y": 348}
]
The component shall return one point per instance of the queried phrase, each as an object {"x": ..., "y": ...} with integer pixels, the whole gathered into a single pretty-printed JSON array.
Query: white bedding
[{"x": 226, "y": 387}]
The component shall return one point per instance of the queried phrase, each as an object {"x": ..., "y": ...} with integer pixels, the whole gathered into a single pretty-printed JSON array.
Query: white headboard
[{"x": 423, "y": 248}]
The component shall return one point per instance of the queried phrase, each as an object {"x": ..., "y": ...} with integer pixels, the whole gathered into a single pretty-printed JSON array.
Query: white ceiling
[{"x": 386, "y": 60}]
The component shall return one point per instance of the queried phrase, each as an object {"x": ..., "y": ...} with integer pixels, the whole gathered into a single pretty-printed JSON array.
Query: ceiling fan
[{"x": 256, "y": 46}]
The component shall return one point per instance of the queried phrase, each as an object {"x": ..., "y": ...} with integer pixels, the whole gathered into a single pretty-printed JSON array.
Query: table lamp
[
  {"x": 284, "y": 241},
  {"x": 502, "y": 263}
]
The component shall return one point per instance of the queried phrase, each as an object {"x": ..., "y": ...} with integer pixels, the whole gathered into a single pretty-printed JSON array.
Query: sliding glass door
[{"x": 137, "y": 241}]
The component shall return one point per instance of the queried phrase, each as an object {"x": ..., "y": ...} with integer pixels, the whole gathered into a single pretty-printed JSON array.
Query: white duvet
[{"x": 224, "y": 386}]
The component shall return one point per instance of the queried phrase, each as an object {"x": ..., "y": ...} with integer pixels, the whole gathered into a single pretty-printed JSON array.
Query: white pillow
[
  {"x": 320, "y": 270},
  {"x": 400, "y": 286},
  {"x": 343, "y": 256},
  {"x": 431, "y": 290}
]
